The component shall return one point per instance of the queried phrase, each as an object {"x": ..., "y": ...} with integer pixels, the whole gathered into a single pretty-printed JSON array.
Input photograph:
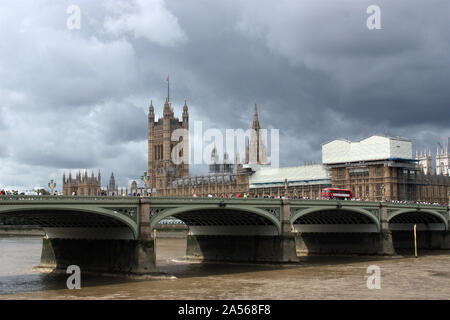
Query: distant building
[
  {"x": 134, "y": 187},
  {"x": 220, "y": 167},
  {"x": 112, "y": 188},
  {"x": 82, "y": 185}
]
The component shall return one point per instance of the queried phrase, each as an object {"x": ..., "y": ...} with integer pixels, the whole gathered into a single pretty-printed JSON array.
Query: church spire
[
  {"x": 151, "y": 109},
  {"x": 185, "y": 107},
  {"x": 255, "y": 125}
]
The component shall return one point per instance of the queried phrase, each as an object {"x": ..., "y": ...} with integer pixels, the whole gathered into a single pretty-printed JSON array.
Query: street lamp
[
  {"x": 285, "y": 187},
  {"x": 145, "y": 179},
  {"x": 51, "y": 185}
]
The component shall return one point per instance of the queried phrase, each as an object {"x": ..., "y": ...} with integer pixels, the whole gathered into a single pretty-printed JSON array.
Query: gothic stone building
[
  {"x": 161, "y": 168},
  {"x": 82, "y": 185},
  {"x": 170, "y": 179}
]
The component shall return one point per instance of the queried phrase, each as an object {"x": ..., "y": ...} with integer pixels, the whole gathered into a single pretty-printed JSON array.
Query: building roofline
[{"x": 374, "y": 135}]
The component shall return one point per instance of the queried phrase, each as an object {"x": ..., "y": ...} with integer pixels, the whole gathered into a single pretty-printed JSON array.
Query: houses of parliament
[{"x": 373, "y": 168}]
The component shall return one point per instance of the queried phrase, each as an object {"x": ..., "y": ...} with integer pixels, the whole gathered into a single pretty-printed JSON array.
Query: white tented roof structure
[
  {"x": 372, "y": 148},
  {"x": 264, "y": 177}
]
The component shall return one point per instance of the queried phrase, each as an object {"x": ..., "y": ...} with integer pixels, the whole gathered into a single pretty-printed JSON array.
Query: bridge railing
[
  {"x": 64, "y": 198},
  {"x": 14, "y": 198},
  {"x": 210, "y": 198}
]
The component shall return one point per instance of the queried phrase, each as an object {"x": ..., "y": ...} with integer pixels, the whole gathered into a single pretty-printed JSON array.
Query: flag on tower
[{"x": 168, "y": 88}]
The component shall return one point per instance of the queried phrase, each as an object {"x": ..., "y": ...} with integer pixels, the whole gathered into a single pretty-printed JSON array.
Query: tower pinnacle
[{"x": 255, "y": 125}]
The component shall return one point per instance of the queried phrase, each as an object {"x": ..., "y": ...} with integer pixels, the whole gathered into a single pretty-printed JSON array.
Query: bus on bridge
[{"x": 333, "y": 193}]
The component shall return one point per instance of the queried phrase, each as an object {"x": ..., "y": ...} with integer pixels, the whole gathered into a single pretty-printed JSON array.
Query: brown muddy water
[{"x": 319, "y": 277}]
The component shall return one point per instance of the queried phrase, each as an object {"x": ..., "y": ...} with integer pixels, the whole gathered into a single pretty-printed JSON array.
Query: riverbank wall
[{"x": 21, "y": 231}]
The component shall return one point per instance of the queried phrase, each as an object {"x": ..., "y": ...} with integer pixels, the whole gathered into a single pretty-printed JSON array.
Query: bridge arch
[
  {"x": 234, "y": 214},
  {"x": 410, "y": 216},
  {"x": 327, "y": 215},
  {"x": 50, "y": 216}
]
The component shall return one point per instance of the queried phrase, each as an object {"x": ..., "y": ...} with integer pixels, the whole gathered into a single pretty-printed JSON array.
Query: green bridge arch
[
  {"x": 419, "y": 210},
  {"x": 110, "y": 213},
  {"x": 154, "y": 220},
  {"x": 301, "y": 213}
]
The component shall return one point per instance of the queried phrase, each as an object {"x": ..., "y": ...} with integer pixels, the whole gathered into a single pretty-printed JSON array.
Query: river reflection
[{"x": 319, "y": 277}]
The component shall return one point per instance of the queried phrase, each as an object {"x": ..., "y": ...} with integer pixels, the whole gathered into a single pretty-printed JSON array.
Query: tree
[{"x": 43, "y": 192}]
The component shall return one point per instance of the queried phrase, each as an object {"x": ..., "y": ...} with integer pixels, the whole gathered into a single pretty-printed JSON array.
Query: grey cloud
[{"x": 121, "y": 123}]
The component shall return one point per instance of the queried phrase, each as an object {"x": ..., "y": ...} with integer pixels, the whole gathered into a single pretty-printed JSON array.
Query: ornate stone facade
[
  {"x": 169, "y": 179},
  {"x": 161, "y": 168},
  {"x": 82, "y": 185},
  {"x": 217, "y": 185},
  {"x": 397, "y": 180},
  {"x": 112, "y": 188}
]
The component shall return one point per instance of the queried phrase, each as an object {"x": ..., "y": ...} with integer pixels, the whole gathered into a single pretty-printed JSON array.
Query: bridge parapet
[
  {"x": 401, "y": 207},
  {"x": 87, "y": 213},
  {"x": 16, "y": 198}
]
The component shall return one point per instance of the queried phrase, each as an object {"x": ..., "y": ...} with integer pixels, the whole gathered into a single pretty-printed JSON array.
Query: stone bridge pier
[
  {"x": 234, "y": 230},
  {"x": 121, "y": 252},
  {"x": 104, "y": 256},
  {"x": 342, "y": 230},
  {"x": 255, "y": 240},
  {"x": 110, "y": 240}
]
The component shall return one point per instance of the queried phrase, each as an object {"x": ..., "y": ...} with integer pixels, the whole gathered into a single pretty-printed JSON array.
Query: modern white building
[{"x": 369, "y": 149}]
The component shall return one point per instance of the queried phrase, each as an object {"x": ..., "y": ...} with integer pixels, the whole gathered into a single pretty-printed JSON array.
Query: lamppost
[
  {"x": 285, "y": 187},
  {"x": 383, "y": 191},
  {"x": 52, "y": 186},
  {"x": 145, "y": 179}
]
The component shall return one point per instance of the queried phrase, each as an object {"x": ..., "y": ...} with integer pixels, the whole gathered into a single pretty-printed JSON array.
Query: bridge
[{"x": 115, "y": 234}]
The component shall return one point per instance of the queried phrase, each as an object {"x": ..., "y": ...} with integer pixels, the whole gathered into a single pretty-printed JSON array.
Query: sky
[{"x": 77, "y": 98}]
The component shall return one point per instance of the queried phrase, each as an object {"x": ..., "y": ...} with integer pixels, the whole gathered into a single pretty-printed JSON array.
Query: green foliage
[{"x": 43, "y": 192}]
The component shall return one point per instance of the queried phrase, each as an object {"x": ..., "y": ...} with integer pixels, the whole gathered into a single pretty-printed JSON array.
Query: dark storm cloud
[
  {"x": 121, "y": 123},
  {"x": 78, "y": 98},
  {"x": 319, "y": 73}
]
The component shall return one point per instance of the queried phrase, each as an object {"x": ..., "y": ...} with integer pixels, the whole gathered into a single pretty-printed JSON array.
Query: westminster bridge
[{"x": 115, "y": 234}]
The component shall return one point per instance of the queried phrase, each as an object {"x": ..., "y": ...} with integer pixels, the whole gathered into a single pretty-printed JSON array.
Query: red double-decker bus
[{"x": 333, "y": 193}]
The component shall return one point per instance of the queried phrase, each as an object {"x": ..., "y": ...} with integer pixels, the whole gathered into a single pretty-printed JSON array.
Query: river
[{"x": 317, "y": 277}]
